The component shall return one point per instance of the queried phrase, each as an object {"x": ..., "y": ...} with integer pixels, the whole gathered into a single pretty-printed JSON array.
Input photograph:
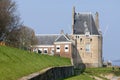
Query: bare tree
[
  {"x": 22, "y": 37},
  {"x": 9, "y": 18},
  {"x": 27, "y": 37}
]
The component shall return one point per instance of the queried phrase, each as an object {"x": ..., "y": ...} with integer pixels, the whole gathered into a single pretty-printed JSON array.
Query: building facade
[{"x": 83, "y": 46}]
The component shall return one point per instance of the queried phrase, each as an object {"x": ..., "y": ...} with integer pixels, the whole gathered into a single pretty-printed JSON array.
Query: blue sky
[{"x": 50, "y": 16}]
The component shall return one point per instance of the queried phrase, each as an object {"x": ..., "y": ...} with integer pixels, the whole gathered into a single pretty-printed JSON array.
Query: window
[
  {"x": 40, "y": 50},
  {"x": 76, "y": 37},
  {"x": 66, "y": 48},
  {"x": 35, "y": 50},
  {"x": 90, "y": 40},
  {"x": 57, "y": 48},
  {"x": 52, "y": 51},
  {"x": 87, "y": 48},
  {"x": 45, "y": 50},
  {"x": 87, "y": 34},
  {"x": 80, "y": 39},
  {"x": 80, "y": 48}
]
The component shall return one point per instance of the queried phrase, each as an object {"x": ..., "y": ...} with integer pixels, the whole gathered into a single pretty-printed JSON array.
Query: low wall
[{"x": 53, "y": 73}]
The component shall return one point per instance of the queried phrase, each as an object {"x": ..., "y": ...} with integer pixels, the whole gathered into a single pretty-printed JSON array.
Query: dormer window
[{"x": 87, "y": 34}]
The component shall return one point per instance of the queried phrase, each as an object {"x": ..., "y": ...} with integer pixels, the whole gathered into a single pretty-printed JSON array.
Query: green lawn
[
  {"x": 98, "y": 71},
  {"x": 15, "y": 63},
  {"x": 92, "y": 72},
  {"x": 80, "y": 77}
]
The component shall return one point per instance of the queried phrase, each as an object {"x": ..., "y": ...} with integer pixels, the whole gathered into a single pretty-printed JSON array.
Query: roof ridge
[
  {"x": 62, "y": 35},
  {"x": 46, "y": 34}
]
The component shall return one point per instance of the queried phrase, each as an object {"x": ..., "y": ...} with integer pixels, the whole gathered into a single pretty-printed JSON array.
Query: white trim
[
  {"x": 60, "y": 36},
  {"x": 66, "y": 50},
  {"x": 45, "y": 49},
  {"x": 57, "y": 46},
  {"x": 47, "y": 34},
  {"x": 84, "y": 35},
  {"x": 42, "y": 46},
  {"x": 52, "y": 51},
  {"x": 62, "y": 42},
  {"x": 35, "y": 50},
  {"x": 40, "y": 50}
]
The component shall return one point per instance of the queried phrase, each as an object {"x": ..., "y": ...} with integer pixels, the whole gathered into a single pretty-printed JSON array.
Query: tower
[{"x": 85, "y": 30}]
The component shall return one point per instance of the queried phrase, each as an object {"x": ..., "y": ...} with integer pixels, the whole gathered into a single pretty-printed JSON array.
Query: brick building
[{"x": 83, "y": 46}]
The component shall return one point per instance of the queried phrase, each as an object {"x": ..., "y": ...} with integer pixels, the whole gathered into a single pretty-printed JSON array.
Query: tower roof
[{"x": 83, "y": 22}]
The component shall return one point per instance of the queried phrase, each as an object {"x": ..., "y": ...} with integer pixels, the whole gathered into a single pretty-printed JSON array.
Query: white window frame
[
  {"x": 46, "y": 50},
  {"x": 40, "y": 50},
  {"x": 66, "y": 50},
  {"x": 87, "y": 47},
  {"x": 52, "y": 51},
  {"x": 35, "y": 50},
  {"x": 57, "y": 46}
]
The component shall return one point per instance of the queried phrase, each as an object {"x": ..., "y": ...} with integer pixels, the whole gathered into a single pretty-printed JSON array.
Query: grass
[
  {"x": 90, "y": 73},
  {"x": 103, "y": 71},
  {"x": 80, "y": 77},
  {"x": 15, "y": 63}
]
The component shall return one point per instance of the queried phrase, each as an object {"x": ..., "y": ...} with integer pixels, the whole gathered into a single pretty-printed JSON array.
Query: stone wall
[
  {"x": 54, "y": 73},
  {"x": 92, "y": 57}
]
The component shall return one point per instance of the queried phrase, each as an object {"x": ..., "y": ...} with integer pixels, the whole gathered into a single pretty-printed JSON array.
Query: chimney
[
  {"x": 62, "y": 32},
  {"x": 73, "y": 17},
  {"x": 97, "y": 20}
]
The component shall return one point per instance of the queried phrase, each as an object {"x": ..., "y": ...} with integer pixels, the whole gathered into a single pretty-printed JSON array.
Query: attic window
[{"x": 87, "y": 34}]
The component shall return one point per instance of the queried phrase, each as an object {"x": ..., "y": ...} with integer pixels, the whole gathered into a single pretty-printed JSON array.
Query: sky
[{"x": 51, "y": 16}]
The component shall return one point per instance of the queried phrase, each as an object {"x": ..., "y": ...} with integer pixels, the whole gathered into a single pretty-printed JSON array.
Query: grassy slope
[
  {"x": 16, "y": 63},
  {"x": 95, "y": 72},
  {"x": 80, "y": 77}
]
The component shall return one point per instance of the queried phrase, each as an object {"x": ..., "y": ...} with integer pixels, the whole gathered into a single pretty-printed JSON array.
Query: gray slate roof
[
  {"x": 62, "y": 38},
  {"x": 46, "y": 39},
  {"x": 79, "y": 19},
  {"x": 49, "y": 39}
]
